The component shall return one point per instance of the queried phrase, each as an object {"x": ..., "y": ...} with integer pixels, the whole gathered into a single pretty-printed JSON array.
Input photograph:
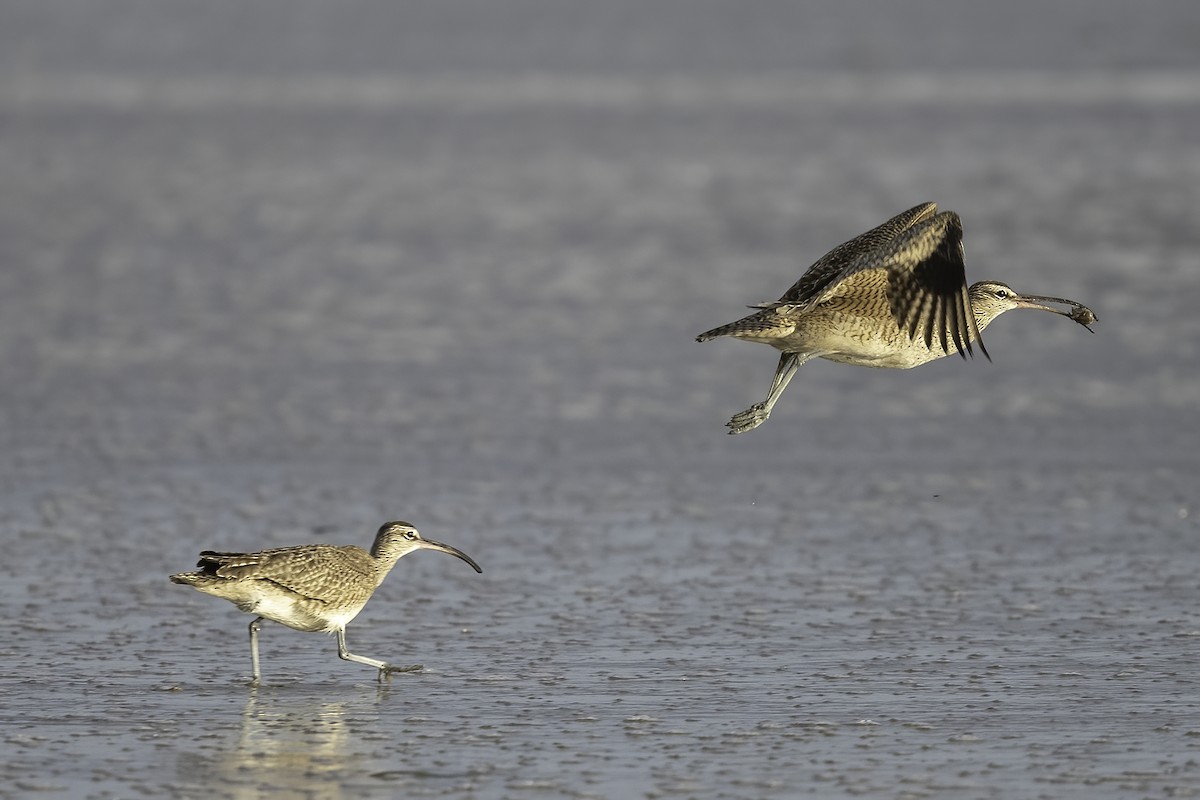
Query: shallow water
[{"x": 271, "y": 291}]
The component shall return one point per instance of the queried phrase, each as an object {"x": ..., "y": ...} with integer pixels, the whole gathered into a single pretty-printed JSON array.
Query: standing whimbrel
[
  {"x": 896, "y": 297},
  {"x": 314, "y": 587}
]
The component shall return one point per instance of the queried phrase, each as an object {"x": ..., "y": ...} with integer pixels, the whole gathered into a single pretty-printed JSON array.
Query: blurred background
[{"x": 274, "y": 272}]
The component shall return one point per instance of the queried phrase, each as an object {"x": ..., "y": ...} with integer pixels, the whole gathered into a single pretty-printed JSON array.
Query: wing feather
[
  {"x": 920, "y": 256},
  {"x": 927, "y": 282},
  {"x": 833, "y": 266},
  {"x": 310, "y": 571}
]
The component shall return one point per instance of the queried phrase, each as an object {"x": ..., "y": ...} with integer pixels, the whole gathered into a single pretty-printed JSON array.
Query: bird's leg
[
  {"x": 758, "y": 413},
  {"x": 254, "y": 626},
  {"x": 385, "y": 669}
]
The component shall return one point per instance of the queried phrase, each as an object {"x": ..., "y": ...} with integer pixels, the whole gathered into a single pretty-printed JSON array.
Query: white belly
[{"x": 302, "y": 615}]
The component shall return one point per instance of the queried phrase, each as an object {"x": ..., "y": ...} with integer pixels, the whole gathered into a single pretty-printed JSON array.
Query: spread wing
[
  {"x": 833, "y": 266},
  {"x": 916, "y": 263},
  {"x": 926, "y": 283}
]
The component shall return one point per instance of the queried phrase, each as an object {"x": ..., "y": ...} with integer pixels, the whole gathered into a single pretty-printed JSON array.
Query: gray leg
[
  {"x": 254, "y": 626},
  {"x": 758, "y": 413},
  {"x": 385, "y": 669}
]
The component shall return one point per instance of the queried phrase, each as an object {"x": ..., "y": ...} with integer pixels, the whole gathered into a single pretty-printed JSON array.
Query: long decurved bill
[
  {"x": 429, "y": 544},
  {"x": 1078, "y": 313}
]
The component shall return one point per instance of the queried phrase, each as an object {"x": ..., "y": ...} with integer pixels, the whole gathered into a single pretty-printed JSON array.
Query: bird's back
[{"x": 304, "y": 587}]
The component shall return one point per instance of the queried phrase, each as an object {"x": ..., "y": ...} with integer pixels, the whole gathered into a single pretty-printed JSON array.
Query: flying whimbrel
[
  {"x": 896, "y": 297},
  {"x": 315, "y": 587}
]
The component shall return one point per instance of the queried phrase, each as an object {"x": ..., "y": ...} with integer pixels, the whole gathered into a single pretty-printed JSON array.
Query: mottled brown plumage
[
  {"x": 317, "y": 587},
  {"x": 894, "y": 297}
]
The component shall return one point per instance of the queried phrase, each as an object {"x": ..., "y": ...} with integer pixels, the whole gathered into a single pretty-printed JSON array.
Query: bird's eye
[
  {"x": 410, "y": 535},
  {"x": 1002, "y": 293}
]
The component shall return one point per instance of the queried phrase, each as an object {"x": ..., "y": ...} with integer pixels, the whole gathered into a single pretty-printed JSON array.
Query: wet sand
[{"x": 266, "y": 290}]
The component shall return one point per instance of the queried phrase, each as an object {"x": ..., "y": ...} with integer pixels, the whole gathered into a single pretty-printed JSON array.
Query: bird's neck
[
  {"x": 383, "y": 565},
  {"x": 983, "y": 320}
]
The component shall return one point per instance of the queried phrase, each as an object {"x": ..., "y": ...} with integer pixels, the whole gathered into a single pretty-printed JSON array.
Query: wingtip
[{"x": 963, "y": 343}]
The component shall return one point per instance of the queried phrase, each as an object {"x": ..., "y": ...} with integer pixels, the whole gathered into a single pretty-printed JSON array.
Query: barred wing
[
  {"x": 317, "y": 572},
  {"x": 833, "y": 266},
  {"x": 927, "y": 283}
]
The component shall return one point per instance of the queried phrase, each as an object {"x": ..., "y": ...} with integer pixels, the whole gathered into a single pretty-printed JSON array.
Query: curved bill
[
  {"x": 1078, "y": 313},
  {"x": 429, "y": 544}
]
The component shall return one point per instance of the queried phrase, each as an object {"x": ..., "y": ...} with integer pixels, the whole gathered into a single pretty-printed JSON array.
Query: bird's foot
[
  {"x": 385, "y": 672},
  {"x": 749, "y": 419}
]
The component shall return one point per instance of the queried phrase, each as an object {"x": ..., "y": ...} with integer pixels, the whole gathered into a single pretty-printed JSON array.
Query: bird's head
[
  {"x": 990, "y": 299},
  {"x": 397, "y": 539}
]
